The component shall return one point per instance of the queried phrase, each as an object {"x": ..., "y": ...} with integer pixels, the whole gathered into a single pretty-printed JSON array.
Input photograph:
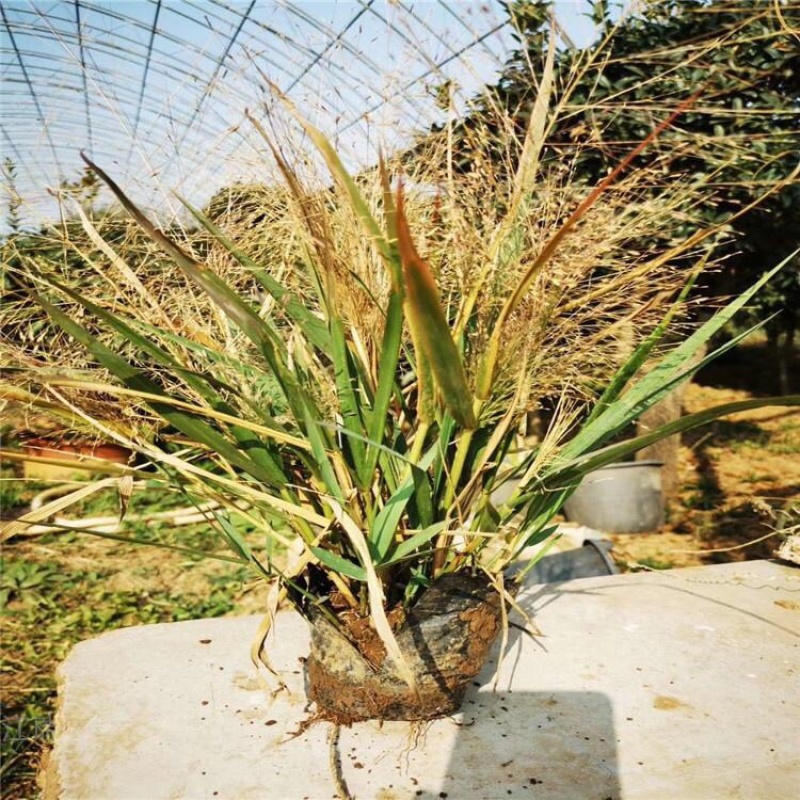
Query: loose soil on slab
[{"x": 740, "y": 478}]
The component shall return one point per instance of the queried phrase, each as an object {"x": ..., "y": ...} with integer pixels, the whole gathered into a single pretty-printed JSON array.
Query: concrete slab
[{"x": 679, "y": 685}]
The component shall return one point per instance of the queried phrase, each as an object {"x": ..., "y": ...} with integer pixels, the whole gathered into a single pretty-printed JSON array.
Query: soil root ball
[{"x": 446, "y": 639}]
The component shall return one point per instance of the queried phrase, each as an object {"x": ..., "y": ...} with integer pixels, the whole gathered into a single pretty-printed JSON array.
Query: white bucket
[{"x": 620, "y": 498}]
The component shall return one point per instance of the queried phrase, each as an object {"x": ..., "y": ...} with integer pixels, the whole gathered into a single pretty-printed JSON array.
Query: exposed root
[
  {"x": 335, "y": 762},
  {"x": 306, "y": 724},
  {"x": 446, "y": 637}
]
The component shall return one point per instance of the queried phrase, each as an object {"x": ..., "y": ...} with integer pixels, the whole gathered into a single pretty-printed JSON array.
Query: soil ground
[{"x": 739, "y": 478}]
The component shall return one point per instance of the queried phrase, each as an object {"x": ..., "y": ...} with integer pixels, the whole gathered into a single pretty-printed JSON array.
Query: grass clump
[{"x": 406, "y": 320}]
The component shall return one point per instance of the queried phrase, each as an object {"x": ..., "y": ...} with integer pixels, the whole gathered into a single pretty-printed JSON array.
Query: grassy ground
[
  {"x": 739, "y": 477},
  {"x": 58, "y": 589}
]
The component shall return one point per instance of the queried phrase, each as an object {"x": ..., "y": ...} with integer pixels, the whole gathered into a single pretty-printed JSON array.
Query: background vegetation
[{"x": 740, "y": 56}]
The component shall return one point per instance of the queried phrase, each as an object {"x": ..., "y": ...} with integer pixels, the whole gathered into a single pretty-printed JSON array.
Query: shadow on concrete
[
  {"x": 558, "y": 745},
  {"x": 549, "y": 745}
]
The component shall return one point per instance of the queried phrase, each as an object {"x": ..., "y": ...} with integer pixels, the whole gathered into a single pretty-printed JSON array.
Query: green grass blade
[
  {"x": 237, "y": 542},
  {"x": 409, "y": 546},
  {"x": 188, "y": 424},
  {"x": 253, "y": 376},
  {"x": 340, "y": 565},
  {"x": 90, "y": 385},
  {"x": 420, "y": 510},
  {"x": 319, "y": 450},
  {"x": 267, "y": 340},
  {"x": 675, "y": 361},
  {"x": 120, "y": 537},
  {"x": 347, "y": 384},
  {"x": 679, "y": 376},
  {"x": 388, "y": 520},
  {"x": 670, "y": 371},
  {"x": 570, "y": 472},
  {"x": 390, "y": 353},
  {"x": 260, "y": 452},
  {"x": 442, "y": 446},
  {"x": 640, "y": 354},
  {"x": 541, "y": 537},
  {"x": 430, "y": 329},
  {"x": 533, "y": 538}
]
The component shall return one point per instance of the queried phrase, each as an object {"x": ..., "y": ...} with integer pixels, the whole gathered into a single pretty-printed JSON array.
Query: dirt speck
[
  {"x": 666, "y": 703},
  {"x": 243, "y": 680}
]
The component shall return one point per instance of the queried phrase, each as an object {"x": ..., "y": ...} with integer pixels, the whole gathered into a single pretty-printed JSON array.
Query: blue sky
[{"x": 157, "y": 92}]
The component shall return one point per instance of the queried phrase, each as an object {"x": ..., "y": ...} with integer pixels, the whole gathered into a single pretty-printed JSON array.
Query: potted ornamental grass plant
[{"x": 408, "y": 328}]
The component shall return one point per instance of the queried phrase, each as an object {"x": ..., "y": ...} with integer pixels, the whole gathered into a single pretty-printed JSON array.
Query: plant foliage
[{"x": 425, "y": 324}]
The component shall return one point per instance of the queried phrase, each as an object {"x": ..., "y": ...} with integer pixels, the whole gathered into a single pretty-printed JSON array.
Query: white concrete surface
[{"x": 680, "y": 685}]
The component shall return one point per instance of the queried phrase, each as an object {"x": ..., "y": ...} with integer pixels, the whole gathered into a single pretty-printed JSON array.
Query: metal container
[
  {"x": 620, "y": 498},
  {"x": 589, "y": 561}
]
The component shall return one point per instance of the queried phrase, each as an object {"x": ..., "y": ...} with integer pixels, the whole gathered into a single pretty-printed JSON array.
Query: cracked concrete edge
[{"x": 48, "y": 777}]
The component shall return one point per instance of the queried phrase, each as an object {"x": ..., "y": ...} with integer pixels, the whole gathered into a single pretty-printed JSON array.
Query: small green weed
[
  {"x": 19, "y": 580},
  {"x": 650, "y": 563},
  {"x": 12, "y": 494}
]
